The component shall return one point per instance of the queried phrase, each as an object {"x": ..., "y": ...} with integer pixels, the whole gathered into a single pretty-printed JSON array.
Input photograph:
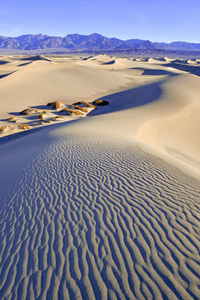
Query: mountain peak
[
  {"x": 96, "y": 35},
  {"x": 94, "y": 41}
]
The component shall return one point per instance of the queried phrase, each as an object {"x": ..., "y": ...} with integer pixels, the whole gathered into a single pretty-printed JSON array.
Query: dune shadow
[
  {"x": 42, "y": 107},
  {"x": 32, "y": 117},
  {"x": 4, "y": 62},
  {"x": 13, "y": 136},
  {"x": 109, "y": 62},
  {"x": 150, "y": 72},
  {"x": 5, "y": 75},
  {"x": 195, "y": 70},
  {"x": 156, "y": 72},
  {"x": 86, "y": 58},
  {"x": 130, "y": 98},
  {"x": 35, "y": 57},
  {"x": 25, "y": 64},
  {"x": 4, "y": 120},
  {"x": 14, "y": 113}
]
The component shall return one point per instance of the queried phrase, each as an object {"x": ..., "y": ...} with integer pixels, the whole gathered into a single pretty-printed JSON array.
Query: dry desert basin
[{"x": 99, "y": 201}]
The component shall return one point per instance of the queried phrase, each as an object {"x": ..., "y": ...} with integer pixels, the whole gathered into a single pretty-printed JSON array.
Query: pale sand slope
[
  {"x": 171, "y": 124},
  {"x": 88, "y": 217},
  {"x": 35, "y": 82},
  {"x": 85, "y": 212},
  {"x": 43, "y": 81}
]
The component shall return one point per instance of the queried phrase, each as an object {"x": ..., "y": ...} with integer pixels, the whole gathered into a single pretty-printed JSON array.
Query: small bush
[
  {"x": 83, "y": 109},
  {"x": 57, "y": 118},
  {"x": 12, "y": 119},
  {"x": 41, "y": 117},
  {"x": 78, "y": 103},
  {"x": 3, "y": 129},
  {"x": 100, "y": 102},
  {"x": 73, "y": 111},
  {"x": 66, "y": 109},
  {"x": 25, "y": 111},
  {"x": 24, "y": 126},
  {"x": 87, "y": 104},
  {"x": 90, "y": 105},
  {"x": 78, "y": 113},
  {"x": 56, "y": 104}
]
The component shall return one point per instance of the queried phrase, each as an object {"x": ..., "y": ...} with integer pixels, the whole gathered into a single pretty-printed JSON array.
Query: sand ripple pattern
[{"x": 92, "y": 220}]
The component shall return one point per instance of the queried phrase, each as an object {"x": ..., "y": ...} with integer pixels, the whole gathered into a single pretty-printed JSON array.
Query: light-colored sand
[{"x": 99, "y": 208}]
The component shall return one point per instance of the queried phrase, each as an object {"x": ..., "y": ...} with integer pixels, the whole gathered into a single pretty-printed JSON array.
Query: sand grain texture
[
  {"x": 99, "y": 220},
  {"x": 92, "y": 209}
]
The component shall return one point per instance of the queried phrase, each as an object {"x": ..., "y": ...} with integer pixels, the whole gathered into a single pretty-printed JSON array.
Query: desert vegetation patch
[{"x": 35, "y": 116}]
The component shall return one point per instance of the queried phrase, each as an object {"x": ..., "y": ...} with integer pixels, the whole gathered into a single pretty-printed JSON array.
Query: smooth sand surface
[{"x": 105, "y": 205}]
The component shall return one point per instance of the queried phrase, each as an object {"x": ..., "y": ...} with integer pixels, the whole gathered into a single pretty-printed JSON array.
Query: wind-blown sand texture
[{"x": 106, "y": 206}]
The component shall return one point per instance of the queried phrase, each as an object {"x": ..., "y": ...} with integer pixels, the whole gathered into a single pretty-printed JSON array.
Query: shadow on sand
[
  {"x": 130, "y": 98},
  {"x": 192, "y": 69},
  {"x": 5, "y": 75},
  {"x": 11, "y": 137}
]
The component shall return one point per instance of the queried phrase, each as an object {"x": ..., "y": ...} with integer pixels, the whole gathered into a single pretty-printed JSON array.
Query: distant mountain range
[{"x": 78, "y": 42}]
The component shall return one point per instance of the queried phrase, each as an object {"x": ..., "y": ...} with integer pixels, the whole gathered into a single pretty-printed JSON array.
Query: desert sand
[{"x": 102, "y": 204}]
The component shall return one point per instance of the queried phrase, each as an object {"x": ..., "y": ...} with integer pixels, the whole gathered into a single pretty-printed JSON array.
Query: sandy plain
[{"x": 103, "y": 205}]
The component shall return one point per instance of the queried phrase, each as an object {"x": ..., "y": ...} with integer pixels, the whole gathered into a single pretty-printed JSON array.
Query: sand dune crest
[
  {"x": 91, "y": 209},
  {"x": 99, "y": 225}
]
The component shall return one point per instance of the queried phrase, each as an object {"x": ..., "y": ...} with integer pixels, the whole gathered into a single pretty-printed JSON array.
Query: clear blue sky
[{"x": 170, "y": 20}]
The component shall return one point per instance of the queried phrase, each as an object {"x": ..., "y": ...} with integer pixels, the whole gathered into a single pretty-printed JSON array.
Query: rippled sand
[{"x": 86, "y": 212}]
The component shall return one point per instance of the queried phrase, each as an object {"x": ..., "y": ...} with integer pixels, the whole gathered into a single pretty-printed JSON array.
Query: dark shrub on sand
[
  {"x": 100, "y": 102},
  {"x": 56, "y": 104}
]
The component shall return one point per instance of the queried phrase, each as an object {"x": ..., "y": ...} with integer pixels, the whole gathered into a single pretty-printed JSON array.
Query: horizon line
[{"x": 114, "y": 37}]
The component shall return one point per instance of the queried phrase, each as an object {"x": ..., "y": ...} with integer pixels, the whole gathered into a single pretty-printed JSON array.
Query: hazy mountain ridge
[{"x": 88, "y": 42}]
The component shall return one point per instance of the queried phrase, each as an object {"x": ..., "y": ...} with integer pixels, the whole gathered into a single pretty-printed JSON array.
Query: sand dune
[
  {"x": 100, "y": 59},
  {"x": 106, "y": 206},
  {"x": 192, "y": 61},
  {"x": 155, "y": 61},
  {"x": 91, "y": 219},
  {"x": 177, "y": 133},
  {"x": 35, "y": 57},
  {"x": 43, "y": 81}
]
